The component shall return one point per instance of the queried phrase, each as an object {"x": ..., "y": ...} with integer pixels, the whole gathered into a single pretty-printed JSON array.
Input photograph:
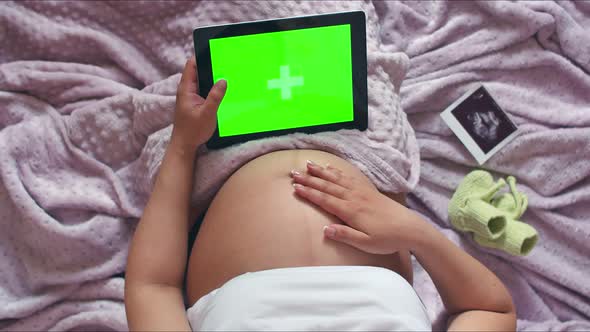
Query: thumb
[
  {"x": 214, "y": 97},
  {"x": 348, "y": 235}
]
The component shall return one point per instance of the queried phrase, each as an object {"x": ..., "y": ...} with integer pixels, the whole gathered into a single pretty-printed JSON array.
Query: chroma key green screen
[{"x": 285, "y": 79}]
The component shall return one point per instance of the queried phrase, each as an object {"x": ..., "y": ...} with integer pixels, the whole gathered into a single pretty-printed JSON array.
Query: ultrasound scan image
[{"x": 484, "y": 120}]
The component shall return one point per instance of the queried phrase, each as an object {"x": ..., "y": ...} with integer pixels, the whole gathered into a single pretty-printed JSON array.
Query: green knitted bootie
[
  {"x": 470, "y": 209},
  {"x": 518, "y": 239},
  {"x": 513, "y": 203}
]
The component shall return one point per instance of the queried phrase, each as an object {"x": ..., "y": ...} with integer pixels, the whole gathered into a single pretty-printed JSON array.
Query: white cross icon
[{"x": 285, "y": 82}]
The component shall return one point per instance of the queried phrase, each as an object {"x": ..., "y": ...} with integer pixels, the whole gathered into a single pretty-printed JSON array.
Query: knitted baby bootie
[
  {"x": 470, "y": 209},
  {"x": 513, "y": 203},
  {"x": 518, "y": 239}
]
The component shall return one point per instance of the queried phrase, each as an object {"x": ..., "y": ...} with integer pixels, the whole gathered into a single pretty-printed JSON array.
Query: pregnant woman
[{"x": 294, "y": 240}]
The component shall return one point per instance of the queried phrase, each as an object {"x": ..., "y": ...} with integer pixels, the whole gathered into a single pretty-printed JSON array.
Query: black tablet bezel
[{"x": 355, "y": 19}]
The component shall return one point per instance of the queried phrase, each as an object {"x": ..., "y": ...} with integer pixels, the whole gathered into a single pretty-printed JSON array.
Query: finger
[
  {"x": 332, "y": 168},
  {"x": 332, "y": 174},
  {"x": 329, "y": 203},
  {"x": 319, "y": 184},
  {"x": 214, "y": 98},
  {"x": 188, "y": 81},
  {"x": 347, "y": 235}
]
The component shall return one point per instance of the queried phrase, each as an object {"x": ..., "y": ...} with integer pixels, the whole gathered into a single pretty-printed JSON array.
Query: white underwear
[{"x": 342, "y": 298}]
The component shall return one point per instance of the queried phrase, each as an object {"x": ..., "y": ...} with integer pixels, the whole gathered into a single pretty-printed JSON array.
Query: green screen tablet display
[{"x": 285, "y": 79}]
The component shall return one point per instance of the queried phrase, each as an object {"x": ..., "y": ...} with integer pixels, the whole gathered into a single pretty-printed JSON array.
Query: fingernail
[
  {"x": 297, "y": 186},
  {"x": 221, "y": 83},
  {"x": 295, "y": 173},
  {"x": 311, "y": 163},
  {"x": 328, "y": 165},
  {"x": 329, "y": 231}
]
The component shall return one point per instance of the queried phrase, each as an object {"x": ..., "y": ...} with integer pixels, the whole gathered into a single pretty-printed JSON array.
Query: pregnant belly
[{"x": 256, "y": 222}]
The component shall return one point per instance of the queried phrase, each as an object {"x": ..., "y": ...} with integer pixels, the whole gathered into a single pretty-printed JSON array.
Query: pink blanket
[
  {"x": 87, "y": 94},
  {"x": 87, "y": 97},
  {"x": 535, "y": 59}
]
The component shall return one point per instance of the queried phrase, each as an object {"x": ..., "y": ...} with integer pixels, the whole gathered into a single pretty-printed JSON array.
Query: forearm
[
  {"x": 463, "y": 283},
  {"x": 159, "y": 248}
]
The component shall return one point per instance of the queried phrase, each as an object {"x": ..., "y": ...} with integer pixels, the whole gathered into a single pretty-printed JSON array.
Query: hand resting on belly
[{"x": 256, "y": 222}]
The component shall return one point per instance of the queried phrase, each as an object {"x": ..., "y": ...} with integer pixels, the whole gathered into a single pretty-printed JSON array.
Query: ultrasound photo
[{"x": 483, "y": 119}]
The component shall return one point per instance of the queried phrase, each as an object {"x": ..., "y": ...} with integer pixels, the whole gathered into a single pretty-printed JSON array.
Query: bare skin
[
  {"x": 473, "y": 296},
  {"x": 268, "y": 226},
  {"x": 364, "y": 227}
]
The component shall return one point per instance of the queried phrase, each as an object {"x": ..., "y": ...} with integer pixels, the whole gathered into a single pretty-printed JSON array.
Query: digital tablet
[{"x": 301, "y": 74}]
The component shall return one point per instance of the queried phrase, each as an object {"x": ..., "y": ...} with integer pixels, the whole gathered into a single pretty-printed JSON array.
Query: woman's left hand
[
  {"x": 195, "y": 118},
  {"x": 372, "y": 222}
]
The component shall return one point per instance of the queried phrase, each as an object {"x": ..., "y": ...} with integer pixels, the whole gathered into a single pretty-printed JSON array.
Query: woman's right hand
[
  {"x": 195, "y": 117},
  {"x": 372, "y": 222}
]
